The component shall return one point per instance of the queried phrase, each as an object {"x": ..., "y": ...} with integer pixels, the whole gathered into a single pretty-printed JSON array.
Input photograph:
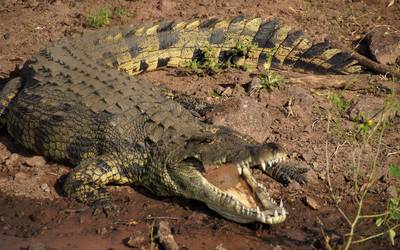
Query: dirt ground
[{"x": 35, "y": 215}]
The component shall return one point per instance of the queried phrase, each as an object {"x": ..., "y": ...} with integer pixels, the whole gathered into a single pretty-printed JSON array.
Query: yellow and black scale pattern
[
  {"x": 174, "y": 43},
  {"x": 74, "y": 102}
]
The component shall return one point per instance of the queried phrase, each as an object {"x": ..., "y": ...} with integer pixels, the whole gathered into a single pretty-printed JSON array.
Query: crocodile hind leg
[
  {"x": 87, "y": 182},
  {"x": 7, "y": 94}
]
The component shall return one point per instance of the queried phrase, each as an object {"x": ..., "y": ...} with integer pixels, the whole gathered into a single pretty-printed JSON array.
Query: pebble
[
  {"x": 392, "y": 191},
  {"x": 228, "y": 92},
  {"x": 311, "y": 202},
  {"x": 35, "y": 161},
  {"x": 6, "y": 35},
  {"x": 165, "y": 236},
  {"x": 312, "y": 177},
  {"x": 220, "y": 247},
  {"x": 45, "y": 187},
  {"x": 21, "y": 176},
  {"x": 38, "y": 246},
  {"x": 135, "y": 241},
  {"x": 167, "y": 5},
  {"x": 4, "y": 154},
  {"x": 13, "y": 160}
]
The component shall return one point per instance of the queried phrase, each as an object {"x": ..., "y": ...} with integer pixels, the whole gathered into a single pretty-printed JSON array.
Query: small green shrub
[
  {"x": 271, "y": 80},
  {"x": 339, "y": 102},
  {"x": 100, "y": 19}
]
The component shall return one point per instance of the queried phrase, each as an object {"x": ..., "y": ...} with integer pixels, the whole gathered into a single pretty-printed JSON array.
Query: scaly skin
[{"x": 75, "y": 102}]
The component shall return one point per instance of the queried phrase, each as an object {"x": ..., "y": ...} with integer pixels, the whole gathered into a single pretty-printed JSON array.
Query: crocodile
[{"x": 78, "y": 101}]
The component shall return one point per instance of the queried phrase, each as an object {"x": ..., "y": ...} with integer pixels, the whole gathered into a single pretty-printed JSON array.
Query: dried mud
[{"x": 34, "y": 214}]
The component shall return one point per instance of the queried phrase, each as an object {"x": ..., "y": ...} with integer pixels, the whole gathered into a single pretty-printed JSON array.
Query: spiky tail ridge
[{"x": 253, "y": 43}]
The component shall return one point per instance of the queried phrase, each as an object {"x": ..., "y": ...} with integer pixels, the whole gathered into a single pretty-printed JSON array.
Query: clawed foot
[
  {"x": 286, "y": 173},
  {"x": 104, "y": 206}
]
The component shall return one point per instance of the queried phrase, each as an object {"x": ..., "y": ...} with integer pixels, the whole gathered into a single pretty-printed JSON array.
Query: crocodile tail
[
  {"x": 253, "y": 43},
  {"x": 7, "y": 94}
]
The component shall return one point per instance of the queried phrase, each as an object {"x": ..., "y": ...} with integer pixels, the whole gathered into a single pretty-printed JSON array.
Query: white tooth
[
  {"x": 276, "y": 213},
  {"x": 262, "y": 218},
  {"x": 269, "y": 220},
  {"x": 258, "y": 209},
  {"x": 264, "y": 165},
  {"x": 240, "y": 170},
  {"x": 248, "y": 211},
  {"x": 270, "y": 163},
  {"x": 284, "y": 212},
  {"x": 281, "y": 204}
]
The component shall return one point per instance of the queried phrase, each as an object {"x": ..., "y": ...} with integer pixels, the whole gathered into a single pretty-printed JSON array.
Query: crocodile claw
[{"x": 106, "y": 207}]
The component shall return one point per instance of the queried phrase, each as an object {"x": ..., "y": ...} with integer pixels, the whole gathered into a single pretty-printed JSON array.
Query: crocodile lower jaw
[{"x": 245, "y": 200}]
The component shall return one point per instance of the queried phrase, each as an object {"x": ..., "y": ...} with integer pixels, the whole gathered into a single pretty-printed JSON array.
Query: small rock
[
  {"x": 6, "y": 36},
  {"x": 135, "y": 241},
  {"x": 238, "y": 91},
  {"x": 277, "y": 247},
  {"x": 392, "y": 191},
  {"x": 13, "y": 160},
  {"x": 38, "y": 246},
  {"x": 101, "y": 231},
  {"x": 6, "y": 227},
  {"x": 32, "y": 4},
  {"x": 311, "y": 202},
  {"x": 228, "y": 92},
  {"x": 4, "y": 154},
  {"x": 197, "y": 217},
  {"x": 166, "y": 5},
  {"x": 219, "y": 89},
  {"x": 384, "y": 45},
  {"x": 253, "y": 85},
  {"x": 301, "y": 96},
  {"x": 165, "y": 236},
  {"x": 45, "y": 187},
  {"x": 21, "y": 176},
  {"x": 220, "y": 247},
  {"x": 312, "y": 177},
  {"x": 308, "y": 156},
  {"x": 35, "y": 161}
]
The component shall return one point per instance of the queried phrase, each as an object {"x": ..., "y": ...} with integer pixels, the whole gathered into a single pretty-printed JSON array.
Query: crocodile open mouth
[{"x": 245, "y": 199}]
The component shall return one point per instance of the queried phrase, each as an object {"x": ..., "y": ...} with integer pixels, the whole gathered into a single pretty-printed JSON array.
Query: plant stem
[
  {"x": 374, "y": 215},
  {"x": 375, "y": 235}
]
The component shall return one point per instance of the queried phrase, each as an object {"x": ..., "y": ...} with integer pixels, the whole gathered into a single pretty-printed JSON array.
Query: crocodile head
[{"x": 215, "y": 169}]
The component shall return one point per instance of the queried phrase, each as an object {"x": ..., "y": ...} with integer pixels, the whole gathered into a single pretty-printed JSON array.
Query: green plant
[
  {"x": 99, "y": 19},
  {"x": 271, "y": 80},
  {"x": 206, "y": 61},
  {"x": 339, "y": 102},
  {"x": 119, "y": 11},
  {"x": 194, "y": 65},
  {"x": 244, "y": 48},
  {"x": 364, "y": 168}
]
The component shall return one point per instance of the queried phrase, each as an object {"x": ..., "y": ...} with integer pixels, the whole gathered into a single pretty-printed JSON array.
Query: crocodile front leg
[
  {"x": 87, "y": 182},
  {"x": 284, "y": 172}
]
